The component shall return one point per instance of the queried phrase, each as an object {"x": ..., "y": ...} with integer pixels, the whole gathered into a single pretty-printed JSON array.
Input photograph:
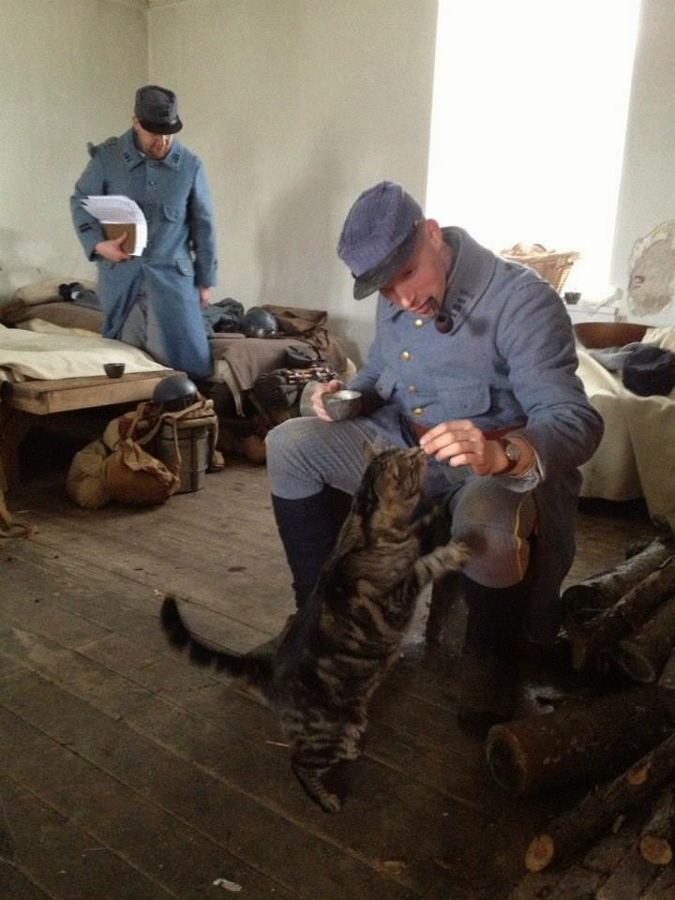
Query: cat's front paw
[
  {"x": 450, "y": 557},
  {"x": 459, "y": 553}
]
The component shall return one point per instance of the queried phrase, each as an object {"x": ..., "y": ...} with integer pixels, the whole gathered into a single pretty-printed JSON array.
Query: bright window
[{"x": 528, "y": 124}]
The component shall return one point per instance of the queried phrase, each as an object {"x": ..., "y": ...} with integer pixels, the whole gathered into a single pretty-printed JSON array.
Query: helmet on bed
[
  {"x": 260, "y": 323},
  {"x": 175, "y": 392}
]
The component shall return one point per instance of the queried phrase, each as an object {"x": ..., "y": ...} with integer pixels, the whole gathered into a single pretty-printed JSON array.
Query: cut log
[
  {"x": 667, "y": 676},
  {"x": 593, "y": 641},
  {"x": 643, "y": 655},
  {"x": 594, "y": 815},
  {"x": 581, "y": 742},
  {"x": 590, "y": 597},
  {"x": 656, "y": 842}
]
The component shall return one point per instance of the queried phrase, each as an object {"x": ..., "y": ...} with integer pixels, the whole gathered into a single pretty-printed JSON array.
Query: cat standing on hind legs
[{"x": 345, "y": 638}]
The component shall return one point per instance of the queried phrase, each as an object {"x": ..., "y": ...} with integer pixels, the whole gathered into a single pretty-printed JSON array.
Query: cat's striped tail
[{"x": 257, "y": 670}]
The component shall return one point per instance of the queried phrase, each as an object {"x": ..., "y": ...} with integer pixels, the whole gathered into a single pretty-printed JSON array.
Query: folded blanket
[{"x": 28, "y": 354}]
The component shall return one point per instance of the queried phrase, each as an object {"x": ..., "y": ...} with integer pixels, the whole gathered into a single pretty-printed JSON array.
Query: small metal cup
[
  {"x": 113, "y": 370},
  {"x": 342, "y": 404}
]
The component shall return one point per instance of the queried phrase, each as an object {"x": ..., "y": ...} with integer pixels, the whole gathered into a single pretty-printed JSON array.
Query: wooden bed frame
[{"x": 21, "y": 402}]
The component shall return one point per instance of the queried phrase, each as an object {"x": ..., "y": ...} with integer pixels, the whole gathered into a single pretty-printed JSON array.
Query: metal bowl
[
  {"x": 342, "y": 404},
  {"x": 113, "y": 370}
]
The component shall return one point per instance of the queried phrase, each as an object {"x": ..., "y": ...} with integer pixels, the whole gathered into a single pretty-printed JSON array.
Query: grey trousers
[
  {"x": 141, "y": 329},
  {"x": 492, "y": 517}
]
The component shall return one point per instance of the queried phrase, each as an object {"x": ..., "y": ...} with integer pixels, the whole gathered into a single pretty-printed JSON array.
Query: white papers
[{"x": 119, "y": 210}]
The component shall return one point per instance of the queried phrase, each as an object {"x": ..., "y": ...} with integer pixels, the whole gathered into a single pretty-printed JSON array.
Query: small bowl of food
[
  {"x": 342, "y": 404},
  {"x": 113, "y": 370}
]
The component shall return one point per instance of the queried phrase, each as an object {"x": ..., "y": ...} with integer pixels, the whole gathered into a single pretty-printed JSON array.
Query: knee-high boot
[
  {"x": 490, "y": 658},
  {"x": 308, "y": 528}
]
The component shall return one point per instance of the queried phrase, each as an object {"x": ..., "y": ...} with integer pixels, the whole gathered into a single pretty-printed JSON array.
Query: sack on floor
[
  {"x": 85, "y": 484},
  {"x": 116, "y": 467},
  {"x": 133, "y": 477}
]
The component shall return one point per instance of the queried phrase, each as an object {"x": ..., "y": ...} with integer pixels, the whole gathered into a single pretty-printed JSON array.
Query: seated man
[{"x": 473, "y": 357}]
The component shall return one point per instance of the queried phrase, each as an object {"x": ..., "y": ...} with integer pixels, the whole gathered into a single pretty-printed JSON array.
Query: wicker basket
[{"x": 553, "y": 266}]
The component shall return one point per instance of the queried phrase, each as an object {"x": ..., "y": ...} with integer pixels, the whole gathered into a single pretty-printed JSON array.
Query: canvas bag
[
  {"x": 117, "y": 467},
  {"x": 295, "y": 321}
]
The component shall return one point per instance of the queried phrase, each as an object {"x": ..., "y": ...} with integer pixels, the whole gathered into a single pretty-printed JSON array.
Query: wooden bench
[{"x": 21, "y": 402}]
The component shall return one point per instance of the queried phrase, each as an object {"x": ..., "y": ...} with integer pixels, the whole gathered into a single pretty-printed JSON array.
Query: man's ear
[{"x": 434, "y": 232}]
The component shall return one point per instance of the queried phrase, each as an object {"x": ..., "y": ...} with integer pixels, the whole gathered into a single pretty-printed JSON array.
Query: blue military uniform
[
  {"x": 180, "y": 255},
  {"x": 508, "y": 362}
]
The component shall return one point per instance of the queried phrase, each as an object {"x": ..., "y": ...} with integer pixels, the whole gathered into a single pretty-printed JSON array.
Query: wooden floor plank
[
  {"x": 15, "y": 886},
  {"x": 166, "y": 857},
  {"x": 257, "y": 836},
  {"x": 100, "y": 718},
  {"x": 69, "y": 862}
]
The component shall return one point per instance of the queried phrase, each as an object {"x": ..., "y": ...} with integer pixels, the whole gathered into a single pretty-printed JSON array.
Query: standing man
[
  {"x": 153, "y": 301},
  {"x": 474, "y": 359}
]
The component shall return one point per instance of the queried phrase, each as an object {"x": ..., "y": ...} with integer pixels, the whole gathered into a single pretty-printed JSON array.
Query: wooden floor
[{"x": 126, "y": 774}]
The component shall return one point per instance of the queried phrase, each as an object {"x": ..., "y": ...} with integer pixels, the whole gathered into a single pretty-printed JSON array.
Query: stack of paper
[{"x": 118, "y": 214}]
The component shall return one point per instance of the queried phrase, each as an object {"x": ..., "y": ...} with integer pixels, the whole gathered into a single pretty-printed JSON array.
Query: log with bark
[
  {"x": 645, "y": 652},
  {"x": 581, "y": 742},
  {"x": 595, "y": 814},
  {"x": 588, "y": 598},
  {"x": 656, "y": 840},
  {"x": 667, "y": 676},
  {"x": 594, "y": 641}
]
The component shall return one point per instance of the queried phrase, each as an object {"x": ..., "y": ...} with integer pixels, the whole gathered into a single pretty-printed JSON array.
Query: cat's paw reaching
[
  {"x": 448, "y": 558},
  {"x": 455, "y": 555}
]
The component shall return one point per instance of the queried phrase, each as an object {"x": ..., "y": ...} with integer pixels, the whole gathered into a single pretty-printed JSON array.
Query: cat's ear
[{"x": 370, "y": 450}]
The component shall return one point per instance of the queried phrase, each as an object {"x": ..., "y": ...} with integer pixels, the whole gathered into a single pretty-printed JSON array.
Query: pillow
[
  {"x": 63, "y": 313},
  {"x": 45, "y": 291},
  {"x": 663, "y": 337}
]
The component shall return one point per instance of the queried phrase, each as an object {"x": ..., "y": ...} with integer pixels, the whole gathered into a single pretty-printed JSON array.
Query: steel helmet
[
  {"x": 175, "y": 392},
  {"x": 260, "y": 323}
]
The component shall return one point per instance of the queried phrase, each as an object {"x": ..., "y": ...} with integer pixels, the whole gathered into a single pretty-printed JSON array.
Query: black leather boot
[
  {"x": 489, "y": 673},
  {"x": 308, "y": 529}
]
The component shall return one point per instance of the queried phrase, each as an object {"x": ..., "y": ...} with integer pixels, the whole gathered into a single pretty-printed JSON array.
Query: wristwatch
[{"x": 512, "y": 452}]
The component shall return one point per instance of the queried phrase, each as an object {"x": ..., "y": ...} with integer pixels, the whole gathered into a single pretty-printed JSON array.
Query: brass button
[
  {"x": 419, "y": 323},
  {"x": 418, "y": 412},
  {"x": 405, "y": 355},
  {"x": 412, "y": 389}
]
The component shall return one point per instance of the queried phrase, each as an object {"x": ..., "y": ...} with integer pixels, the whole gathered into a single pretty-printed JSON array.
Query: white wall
[
  {"x": 647, "y": 195},
  {"x": 294, "y": 106},
  {"x": 68, "y": 73}
]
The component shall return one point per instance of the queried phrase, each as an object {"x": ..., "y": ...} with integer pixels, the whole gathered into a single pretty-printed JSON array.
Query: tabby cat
[{"x": 339, "y": 646}]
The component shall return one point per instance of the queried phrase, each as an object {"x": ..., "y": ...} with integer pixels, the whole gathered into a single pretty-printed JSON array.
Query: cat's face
[{"x": 395, "y": 477}]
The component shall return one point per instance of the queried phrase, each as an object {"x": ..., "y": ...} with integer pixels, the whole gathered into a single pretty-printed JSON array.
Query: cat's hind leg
[
  {"x": 312, "y": 780},
  {"x": 319, "y": 767}
]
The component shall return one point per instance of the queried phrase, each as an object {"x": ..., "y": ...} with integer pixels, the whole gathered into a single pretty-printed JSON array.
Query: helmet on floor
[{"x": 175, "y": 392}]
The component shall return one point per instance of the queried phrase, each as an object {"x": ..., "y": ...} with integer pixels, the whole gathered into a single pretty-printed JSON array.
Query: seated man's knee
[{"x": 497, "y": 529}]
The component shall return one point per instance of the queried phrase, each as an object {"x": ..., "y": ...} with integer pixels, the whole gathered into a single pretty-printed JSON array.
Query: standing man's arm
[
  {"x": 202, "y": 235},
  {"x": 87, "y": 227}
]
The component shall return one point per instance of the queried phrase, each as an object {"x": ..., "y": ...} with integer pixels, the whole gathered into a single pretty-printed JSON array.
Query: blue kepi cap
[{"x": 379, "y": 235}]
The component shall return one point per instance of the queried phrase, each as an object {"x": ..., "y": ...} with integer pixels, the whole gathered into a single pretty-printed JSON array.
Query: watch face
[{"x": 512, "y": 452}]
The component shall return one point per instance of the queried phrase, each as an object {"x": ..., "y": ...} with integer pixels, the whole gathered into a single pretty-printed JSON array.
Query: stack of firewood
[
  {"x": 625, "y": 616},
  {"x": 622, "y": 743}
]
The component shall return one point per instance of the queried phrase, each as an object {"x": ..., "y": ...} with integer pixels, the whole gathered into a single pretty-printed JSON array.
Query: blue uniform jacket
[
  {"x": 508, "y": 361},
  {"x": 180, "y": 255}
]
